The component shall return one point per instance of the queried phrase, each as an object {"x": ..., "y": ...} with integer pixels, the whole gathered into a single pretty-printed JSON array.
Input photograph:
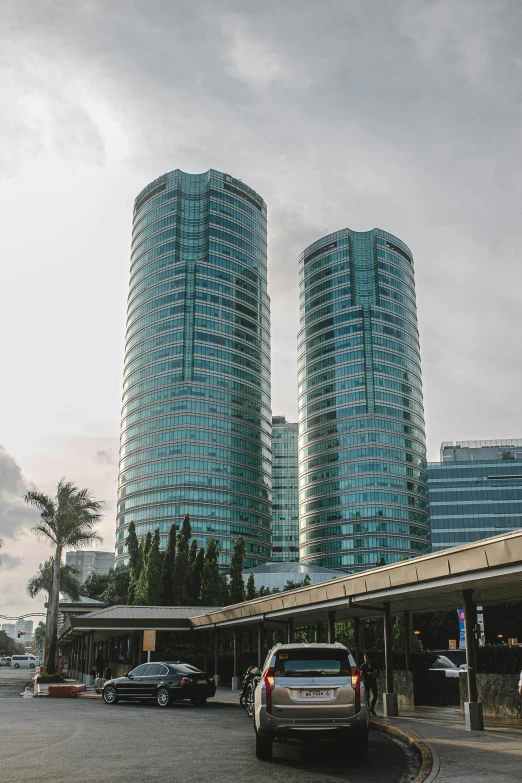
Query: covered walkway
[{"x": 480, "y": 573}]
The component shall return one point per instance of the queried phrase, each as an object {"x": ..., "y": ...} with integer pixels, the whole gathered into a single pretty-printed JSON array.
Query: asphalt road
[{"x": 46, "y": 740}]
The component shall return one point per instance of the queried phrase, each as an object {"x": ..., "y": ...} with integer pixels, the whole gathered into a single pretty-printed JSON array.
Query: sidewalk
[{"x": 461, "y": 756}]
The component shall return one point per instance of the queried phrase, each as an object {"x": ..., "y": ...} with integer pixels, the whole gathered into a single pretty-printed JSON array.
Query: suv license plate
[
  {"x": 314, "y": 695},
  {"x": 202, "y": 682}
]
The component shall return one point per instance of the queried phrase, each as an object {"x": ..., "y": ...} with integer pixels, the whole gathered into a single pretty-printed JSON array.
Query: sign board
[
  {"x": 149, "y": 641},
  {"x": 513, "y": 641},
  {"x": 462, "y": 630},
  {"x": 63, "y": 664},
  {"x": 481, "y": 637},
  {"x": 452, "y": 644}
]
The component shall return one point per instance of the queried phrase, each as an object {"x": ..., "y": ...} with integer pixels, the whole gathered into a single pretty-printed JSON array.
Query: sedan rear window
[
  {"x": 314, "y": 663},
  {"x": 185, "y": 668}
]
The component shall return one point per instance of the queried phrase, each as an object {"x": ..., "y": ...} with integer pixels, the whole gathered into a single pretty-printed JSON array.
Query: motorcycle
[{"x": 248, "y": 686}]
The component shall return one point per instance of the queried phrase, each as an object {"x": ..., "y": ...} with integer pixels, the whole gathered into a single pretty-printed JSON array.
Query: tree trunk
[
  {"x": 45, "y": 656},
  {"x": 53, "y": 613}
]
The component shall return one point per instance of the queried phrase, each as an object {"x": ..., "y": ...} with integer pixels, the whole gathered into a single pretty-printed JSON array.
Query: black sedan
[{"x": 166, "y": 682}]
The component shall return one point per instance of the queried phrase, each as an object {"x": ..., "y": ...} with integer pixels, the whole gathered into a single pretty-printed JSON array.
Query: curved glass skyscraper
[
  {"x": 196, "y": 419},
  {"x": 362, "y": 455}
]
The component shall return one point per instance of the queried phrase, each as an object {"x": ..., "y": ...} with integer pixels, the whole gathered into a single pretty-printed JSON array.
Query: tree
[
  {"x": 141, "y": 589},
  {"x": 182, "y": 568},
  {"x": 39, "y": 635},
  {"x": 118, "y": 586},
  {"x": 134, "y": 552},
  {"x": 154, "y": 573},
  {"x": 380, "y": 562},
  {"x": 95, "y": 585},
  {"x": 8, "y": 646},
  {"x": 197, "y": 576},
  {"x": 67, "y": 520},
  {"x": 211, "y": 588},
  {"x": 251, "y": 592},
  {"x": 237, "y": 583},
  {"x": 169, "y": 568},
  {"x": 192, "y": 596},
  {"x": 42, "y": 582},
  {"x": 307, "y": 581}
]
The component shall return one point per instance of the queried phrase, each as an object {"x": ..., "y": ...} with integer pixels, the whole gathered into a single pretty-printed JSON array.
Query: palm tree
[
  {"x": 67, "y": 520},
  {"x": 42, "y": 581}
]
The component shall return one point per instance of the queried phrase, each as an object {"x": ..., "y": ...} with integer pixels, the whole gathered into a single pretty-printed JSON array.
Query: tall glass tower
[
  {"x": 285, "y": 496},
  {"x": 362, "y": 456},
  {"x": 196, "y": 419}
]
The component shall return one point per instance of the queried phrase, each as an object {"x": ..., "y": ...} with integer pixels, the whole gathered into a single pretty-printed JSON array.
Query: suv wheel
[
  {"x": 109, "y": 695},
  {"x": 31, "y": 665},
  {"x": 263, "y": 747},
  {"x": 163, "y": 697}
]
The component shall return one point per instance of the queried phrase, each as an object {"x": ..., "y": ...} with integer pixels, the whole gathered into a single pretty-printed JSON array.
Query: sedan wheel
[
  {"x": 163, "y": 697},
  {"x": 109, "y": 695}
]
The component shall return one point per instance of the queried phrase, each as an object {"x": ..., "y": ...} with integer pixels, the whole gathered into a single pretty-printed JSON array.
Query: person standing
[{"x": 369, "y": 677}]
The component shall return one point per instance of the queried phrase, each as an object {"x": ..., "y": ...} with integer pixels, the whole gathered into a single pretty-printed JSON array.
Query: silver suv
[{"x": 310, "y": 688}]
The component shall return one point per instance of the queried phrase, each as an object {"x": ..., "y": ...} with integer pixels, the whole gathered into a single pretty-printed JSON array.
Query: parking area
[{"x": 46, "y": 740}]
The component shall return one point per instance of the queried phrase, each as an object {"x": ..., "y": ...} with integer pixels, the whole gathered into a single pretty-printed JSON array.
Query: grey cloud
[
  {"x": 401, "y": 115},
  {"x": 15, "y": 515},
  {"x": 105, "y": 457},
  {"x": 8, "y": 561}
]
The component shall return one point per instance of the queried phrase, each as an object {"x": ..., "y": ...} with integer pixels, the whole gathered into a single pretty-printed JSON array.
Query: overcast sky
[{"x": 400, "y": 114}]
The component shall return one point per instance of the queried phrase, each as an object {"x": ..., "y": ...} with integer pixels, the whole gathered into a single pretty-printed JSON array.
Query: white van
[{"x": 24, "y": 661}]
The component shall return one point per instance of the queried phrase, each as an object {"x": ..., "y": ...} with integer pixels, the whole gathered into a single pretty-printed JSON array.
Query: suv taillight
[{"x": 268, "y": 679}]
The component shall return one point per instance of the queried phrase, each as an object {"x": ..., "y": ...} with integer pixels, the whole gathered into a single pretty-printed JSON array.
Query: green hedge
[
  {"x": 499, "y": 659},
  {"x": 419, "y": 661}
]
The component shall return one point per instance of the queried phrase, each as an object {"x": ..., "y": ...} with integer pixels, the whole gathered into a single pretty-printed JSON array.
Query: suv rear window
[{"x": 315, "y": 663}]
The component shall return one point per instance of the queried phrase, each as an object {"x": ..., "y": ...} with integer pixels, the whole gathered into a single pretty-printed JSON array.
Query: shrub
[{"x": 499, "y": 659}]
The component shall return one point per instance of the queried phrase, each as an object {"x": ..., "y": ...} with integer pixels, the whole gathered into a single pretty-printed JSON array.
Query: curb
[
  {"x": 224, "y": 703},
  {"x": 427, "y": 754}
]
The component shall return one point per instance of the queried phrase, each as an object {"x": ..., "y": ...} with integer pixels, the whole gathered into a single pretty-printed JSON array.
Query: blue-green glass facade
[
  {"x": 285, "y": 494},
  {"x": 196, "y": 419},
  {"x": 475, "y": 491},
  {"x": 362, "y": 453}
]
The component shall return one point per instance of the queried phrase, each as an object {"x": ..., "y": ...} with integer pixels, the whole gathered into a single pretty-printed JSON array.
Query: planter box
[
  {"x": 54, "y": 678},
  {"x": 498, "y": 694}
]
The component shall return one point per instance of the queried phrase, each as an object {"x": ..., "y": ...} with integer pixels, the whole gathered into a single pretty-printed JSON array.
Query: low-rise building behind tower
[
  {"x": 285, "y": 493},
  {"x": 475, "y": 491}
]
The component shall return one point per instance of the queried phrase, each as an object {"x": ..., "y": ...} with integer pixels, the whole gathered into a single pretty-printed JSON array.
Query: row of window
[
  {"x": 233, "y": 466},
  {"x": 343, "y": 469},
  {"x": 236, "y": 272},
  {"x": 378, "y": 481},
  {"x": 356, "y": 528},
  {"x": 386, "y": 542},
  {"x": 326, "y": 343},
  {"x": 339, "y": 515},
  {"x": 162, "y": 381},
  {"x": 362, "y": 497},
  {"x": 203, "y": 480},
  {"x": 137, "y": 368},
  {"x": 188, "y": 391},
  {"x": 338, "y": 455},
  {"x": 210, "y": 367},
  {"x": 179, "y": 510},
  {"x": 192, "y": 448},
  {"x": 219, "y": 426},
  {"x": 185, "y": 405},
  {"x": 326, "y": 443},
  {"x": 218, "y": 497},
  {"x": 201, "y": 435}
]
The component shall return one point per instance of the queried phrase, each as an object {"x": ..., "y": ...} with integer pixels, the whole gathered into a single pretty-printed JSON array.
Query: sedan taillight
[{"x": 185, "y": 681}]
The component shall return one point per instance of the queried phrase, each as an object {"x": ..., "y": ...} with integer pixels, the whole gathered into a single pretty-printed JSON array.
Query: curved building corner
[
  {"x": 196, "y": 418},
  {"x": 363, "y": 490}
]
